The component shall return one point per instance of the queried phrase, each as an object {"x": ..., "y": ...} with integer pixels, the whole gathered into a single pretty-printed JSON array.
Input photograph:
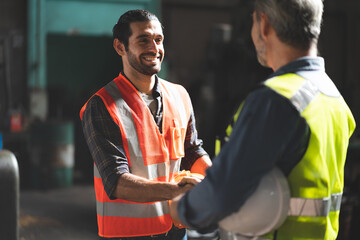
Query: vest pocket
[{"x": 177, "y": 136}]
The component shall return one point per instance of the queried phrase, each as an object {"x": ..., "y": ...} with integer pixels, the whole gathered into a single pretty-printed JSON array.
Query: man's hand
[
  {"x": 192, "y": 180},
  {"x": 174, "y": 212},
  {"x": 185, "y": 181}
]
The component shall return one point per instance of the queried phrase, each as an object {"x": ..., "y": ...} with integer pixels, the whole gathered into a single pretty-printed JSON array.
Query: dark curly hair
[{"x": 122, "y": 30}]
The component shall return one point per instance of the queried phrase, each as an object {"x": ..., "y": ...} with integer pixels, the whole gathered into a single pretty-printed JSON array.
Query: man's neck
[
  {"x": 286, "y": 54},
  {"x": 144, "y": 83}
]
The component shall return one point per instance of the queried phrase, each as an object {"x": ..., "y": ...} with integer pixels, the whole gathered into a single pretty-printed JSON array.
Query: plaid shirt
[{"x": 104, "y": 140}]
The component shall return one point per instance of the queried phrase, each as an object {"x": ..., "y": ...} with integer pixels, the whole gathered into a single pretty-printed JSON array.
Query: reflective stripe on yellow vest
[
  {"x": 151, "y": 154},
  {"x": 316, "y": 182}
]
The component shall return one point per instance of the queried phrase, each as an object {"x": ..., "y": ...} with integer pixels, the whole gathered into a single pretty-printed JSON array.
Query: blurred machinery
[{"x": 12, "y": 90}]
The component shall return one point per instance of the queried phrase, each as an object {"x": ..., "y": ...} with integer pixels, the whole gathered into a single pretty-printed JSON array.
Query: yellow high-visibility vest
[{"x": 317, "y": 181}]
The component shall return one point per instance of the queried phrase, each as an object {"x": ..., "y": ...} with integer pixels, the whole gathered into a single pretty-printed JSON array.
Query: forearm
[
  {"x": 201, "y": 164},
  {"x": 193, "y": 146},
  {"x": 137, "y": 189},
  {"x": 173, "y": 209}
]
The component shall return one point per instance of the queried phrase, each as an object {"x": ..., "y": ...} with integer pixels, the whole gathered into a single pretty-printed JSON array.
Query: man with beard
[
  {"x": 296, "y": 121},
  {"x": 140, "y": 130}
]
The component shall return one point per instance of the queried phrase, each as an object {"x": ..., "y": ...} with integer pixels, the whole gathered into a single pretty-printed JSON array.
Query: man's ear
[
  {"x": 264, "y": 25},
  {"x": 119, "y": 47}
]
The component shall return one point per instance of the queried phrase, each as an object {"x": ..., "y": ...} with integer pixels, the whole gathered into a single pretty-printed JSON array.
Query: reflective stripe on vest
[
  {"x": 304, "y": 96},
  {"x": 315, "y": 207},
  {"x": 151, "y": 154}
]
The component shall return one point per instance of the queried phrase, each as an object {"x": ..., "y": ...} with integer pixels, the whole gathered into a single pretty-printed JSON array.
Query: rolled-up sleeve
[
  {"x": 193, "y": 145},
  {"x": 104, "y": 140}
]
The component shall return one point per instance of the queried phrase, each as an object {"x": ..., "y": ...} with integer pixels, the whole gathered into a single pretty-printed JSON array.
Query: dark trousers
[{"x": 174, "y": 234}]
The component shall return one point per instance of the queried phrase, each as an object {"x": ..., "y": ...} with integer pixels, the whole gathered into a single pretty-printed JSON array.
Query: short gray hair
[{"x": 296, "y": 22}]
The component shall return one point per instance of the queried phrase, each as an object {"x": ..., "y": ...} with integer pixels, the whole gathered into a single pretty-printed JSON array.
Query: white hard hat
[{"x": 265, "y": 210}]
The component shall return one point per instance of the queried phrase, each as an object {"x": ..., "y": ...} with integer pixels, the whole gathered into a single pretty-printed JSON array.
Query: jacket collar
[{"x": 301, "y": 64}]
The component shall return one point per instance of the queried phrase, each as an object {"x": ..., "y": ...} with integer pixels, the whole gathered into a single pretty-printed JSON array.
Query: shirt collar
[
  {"x": 156, "y": 90},
  {"x": 301, "y": 64}
]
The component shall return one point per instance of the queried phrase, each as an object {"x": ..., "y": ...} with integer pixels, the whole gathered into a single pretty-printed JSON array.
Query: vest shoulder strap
[{"x": 298, "y": 90}]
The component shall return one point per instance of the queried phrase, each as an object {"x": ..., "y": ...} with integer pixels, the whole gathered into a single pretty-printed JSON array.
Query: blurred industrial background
[{"x": 54, "y": 54}]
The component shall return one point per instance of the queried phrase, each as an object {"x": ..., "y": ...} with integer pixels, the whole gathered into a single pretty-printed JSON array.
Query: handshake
[
  {"x": 183, "y": 179},
  {"x": 190, "y": 178}
]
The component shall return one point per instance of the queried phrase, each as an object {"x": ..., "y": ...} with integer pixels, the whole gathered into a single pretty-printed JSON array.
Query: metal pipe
[{"x": 9, "y": 200}]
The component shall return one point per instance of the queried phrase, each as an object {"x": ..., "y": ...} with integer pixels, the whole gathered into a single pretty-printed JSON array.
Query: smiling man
[{"x": 141, "y": 131}]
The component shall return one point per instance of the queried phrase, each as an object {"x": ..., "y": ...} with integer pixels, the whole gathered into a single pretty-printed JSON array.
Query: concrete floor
[
  {"x": 65, "y": 214},
  {"x": 58, "y": 214}
]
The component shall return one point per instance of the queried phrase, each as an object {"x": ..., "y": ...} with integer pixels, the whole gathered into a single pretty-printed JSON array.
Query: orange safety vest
[{"x": 150, "y": 154}]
